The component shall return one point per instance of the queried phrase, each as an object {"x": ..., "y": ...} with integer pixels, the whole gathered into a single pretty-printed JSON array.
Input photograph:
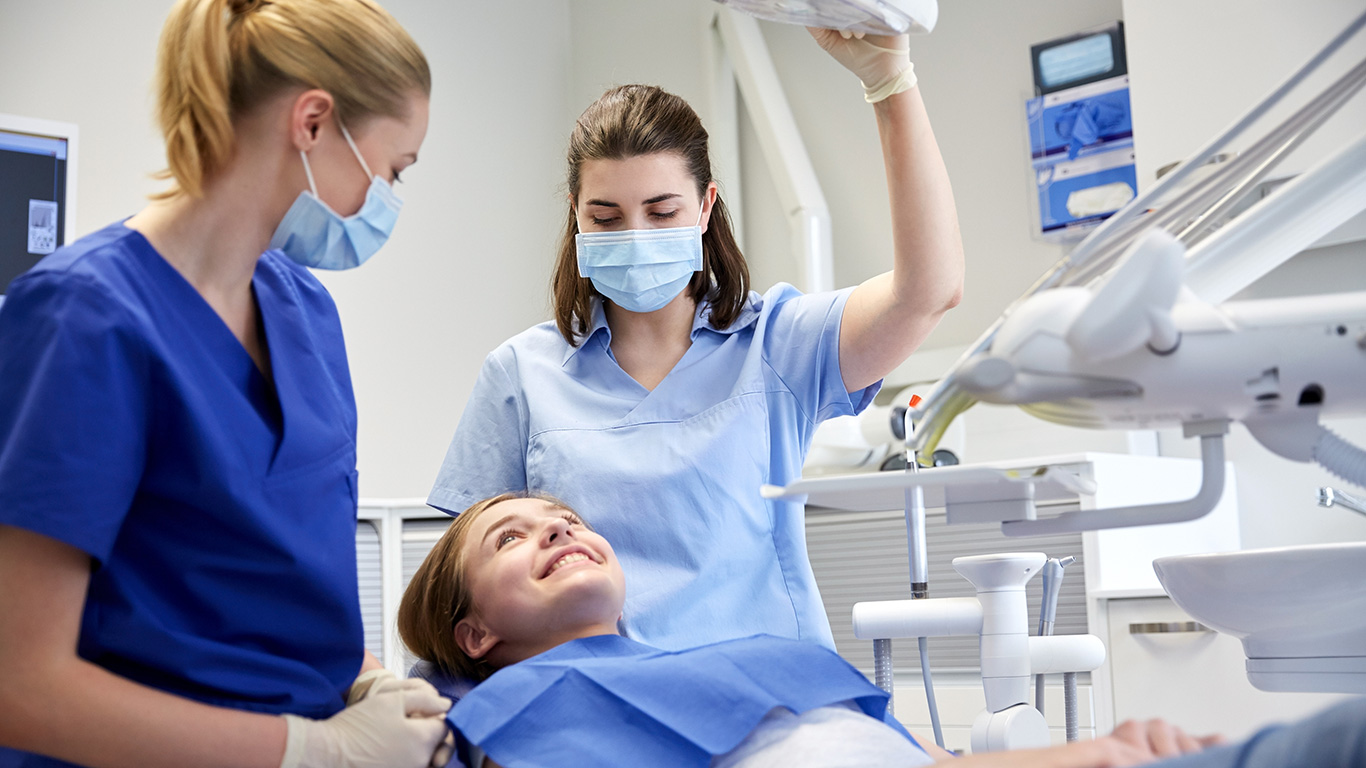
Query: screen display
[
  {"x": 32, "y": 201},
  {"x": 1077, "y": 60},
  {"x": 1086, "y": 57}
]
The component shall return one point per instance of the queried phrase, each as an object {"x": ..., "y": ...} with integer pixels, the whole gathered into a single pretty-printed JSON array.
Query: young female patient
[{"x": 521, "y": 595}]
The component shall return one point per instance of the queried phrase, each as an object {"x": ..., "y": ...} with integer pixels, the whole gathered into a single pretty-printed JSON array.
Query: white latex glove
[
  {"x": 381, "y": 680},
  {"x": 881, "y": 63},
  {"x": 389, "y": 729}
]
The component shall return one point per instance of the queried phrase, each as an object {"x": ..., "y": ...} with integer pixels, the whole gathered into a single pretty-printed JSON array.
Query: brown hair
[
  {"x": 438, "y": 596},
  {"x": 219, "y": 59},
  {"x": 630, "y": 121}
]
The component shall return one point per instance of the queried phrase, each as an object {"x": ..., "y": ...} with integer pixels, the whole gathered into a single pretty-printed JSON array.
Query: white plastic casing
[
  {"x": 1000, "y": 582},
  {"x": 939, "y": 617}
]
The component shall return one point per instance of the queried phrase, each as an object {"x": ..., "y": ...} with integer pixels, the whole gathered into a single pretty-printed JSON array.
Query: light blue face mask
[
  {"x": 641, "y": 270},
  {"x": 314, "y": 235}
]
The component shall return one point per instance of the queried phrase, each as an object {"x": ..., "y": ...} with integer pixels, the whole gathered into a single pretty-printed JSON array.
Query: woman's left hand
[{"x": 881, "y": 63}]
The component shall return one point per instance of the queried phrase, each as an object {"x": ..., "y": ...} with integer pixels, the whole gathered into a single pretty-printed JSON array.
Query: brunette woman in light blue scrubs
[
  {"x": 177, "y": 428},
  {"x": 666, "y": 393}
]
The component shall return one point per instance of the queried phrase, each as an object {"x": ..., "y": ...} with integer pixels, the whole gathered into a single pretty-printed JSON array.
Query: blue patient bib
[{"x": 608, "y": 700}]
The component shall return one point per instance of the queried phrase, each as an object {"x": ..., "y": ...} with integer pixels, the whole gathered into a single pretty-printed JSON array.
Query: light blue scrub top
[{"x": 671, "y": 476}]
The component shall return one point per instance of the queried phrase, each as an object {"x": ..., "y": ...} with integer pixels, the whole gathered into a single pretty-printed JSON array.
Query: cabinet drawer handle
[{"x": 1165, "y": 627}]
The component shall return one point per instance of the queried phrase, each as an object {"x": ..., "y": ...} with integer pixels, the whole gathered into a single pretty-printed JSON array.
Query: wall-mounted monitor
[
  {"x": 37, "y": 192},
  {"x": 1078, "y": 59}
]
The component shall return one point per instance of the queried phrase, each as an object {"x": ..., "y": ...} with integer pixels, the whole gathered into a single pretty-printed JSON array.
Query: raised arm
[{"x": 889, "y": 315}]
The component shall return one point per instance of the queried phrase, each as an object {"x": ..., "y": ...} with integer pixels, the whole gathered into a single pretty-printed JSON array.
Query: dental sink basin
[{"x": 1299, "y": 611}]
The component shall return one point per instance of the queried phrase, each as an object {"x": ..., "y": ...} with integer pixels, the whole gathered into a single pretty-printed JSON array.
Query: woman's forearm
[
  {"x": 81, "y": 713},
  {"x": 52, "y": 702},
  {"x": 889, "y": 316}
]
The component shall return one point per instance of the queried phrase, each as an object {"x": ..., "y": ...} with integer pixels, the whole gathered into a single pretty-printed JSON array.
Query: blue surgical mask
[
  {"x": 641, "y": 270},
  {"x": 314, "y": 235}
]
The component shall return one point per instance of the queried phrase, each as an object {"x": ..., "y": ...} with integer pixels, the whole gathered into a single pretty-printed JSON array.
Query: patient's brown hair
[{"x": 438, "y": 596}]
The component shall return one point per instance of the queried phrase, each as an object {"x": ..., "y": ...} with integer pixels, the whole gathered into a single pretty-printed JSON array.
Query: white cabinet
[{"x": 1193, "y": 676}]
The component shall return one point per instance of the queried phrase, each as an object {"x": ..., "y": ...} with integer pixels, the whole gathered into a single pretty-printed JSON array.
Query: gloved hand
[
  {"x": 882, "y": 63},
  {"x": 381, "y": 680},
  {"x": 392, "y": 728}
]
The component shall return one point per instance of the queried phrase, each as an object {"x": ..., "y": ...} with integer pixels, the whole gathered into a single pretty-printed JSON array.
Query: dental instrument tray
[{"x": 968, "y": 493}]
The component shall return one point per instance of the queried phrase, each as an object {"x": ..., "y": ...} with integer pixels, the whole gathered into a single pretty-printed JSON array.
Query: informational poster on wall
[{"x": 1082, "y": 149}]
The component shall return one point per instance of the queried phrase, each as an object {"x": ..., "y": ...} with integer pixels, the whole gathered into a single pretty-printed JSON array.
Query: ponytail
[{"x": 219, "y": 59}]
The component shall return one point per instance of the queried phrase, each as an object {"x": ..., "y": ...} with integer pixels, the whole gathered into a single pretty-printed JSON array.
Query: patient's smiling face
[{"x": 537, "y": 577}]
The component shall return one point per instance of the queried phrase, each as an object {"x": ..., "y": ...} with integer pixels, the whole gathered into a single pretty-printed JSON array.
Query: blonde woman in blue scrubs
[
  {"x": 177, "y": 428},
  {"x": 666, "y": 393}
]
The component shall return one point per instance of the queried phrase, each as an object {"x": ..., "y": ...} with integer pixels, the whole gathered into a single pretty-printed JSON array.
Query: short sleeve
[
  {"x": 487, "y": 456},
  {"x": 73, "y": 410},
  {"x": 802, "y": 346}
]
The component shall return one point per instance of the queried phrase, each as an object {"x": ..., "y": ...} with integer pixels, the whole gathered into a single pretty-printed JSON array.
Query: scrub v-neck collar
[{"x": 227, "y": 350}]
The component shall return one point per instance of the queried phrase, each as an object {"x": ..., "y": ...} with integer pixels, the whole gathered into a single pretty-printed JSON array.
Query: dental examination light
[
  {"x": 874, "y": 17},
  {"x": 1134, "y": 329}
]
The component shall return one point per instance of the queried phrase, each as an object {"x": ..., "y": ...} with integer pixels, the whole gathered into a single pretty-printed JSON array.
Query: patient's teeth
[{"x": 572, "y": 557}]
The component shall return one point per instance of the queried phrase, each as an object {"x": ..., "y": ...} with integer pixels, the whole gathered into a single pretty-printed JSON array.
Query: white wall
[
  {"x": 469, "y": 264},
  {"x": 469, "y": 261}
]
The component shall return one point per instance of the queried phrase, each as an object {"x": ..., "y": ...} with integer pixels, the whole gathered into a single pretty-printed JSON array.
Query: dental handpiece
[
  {"x": 1048, "y": 611},
  {"x": 915, "y": 513}
]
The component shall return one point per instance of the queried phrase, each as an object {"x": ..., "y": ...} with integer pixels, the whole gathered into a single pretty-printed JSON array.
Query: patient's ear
[{"x": 475, "y": 639}]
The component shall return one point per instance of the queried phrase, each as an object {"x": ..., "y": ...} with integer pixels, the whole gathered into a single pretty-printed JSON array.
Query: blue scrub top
[
  {"x": 219, "y": 511},
  {"x": 671, "y": 476}
]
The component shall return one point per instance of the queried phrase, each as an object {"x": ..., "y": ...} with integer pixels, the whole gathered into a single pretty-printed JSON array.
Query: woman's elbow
[{"x": 954, "y": 296}]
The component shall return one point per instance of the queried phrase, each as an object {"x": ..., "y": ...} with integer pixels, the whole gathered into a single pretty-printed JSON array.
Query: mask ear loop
[
  {"x": 347, "y": 135},
  {"x": 309, "y": 173}
]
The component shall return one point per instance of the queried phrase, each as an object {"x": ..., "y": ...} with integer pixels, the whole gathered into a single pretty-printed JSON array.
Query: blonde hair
[
  {"x": 438, "y": 596},
  {"x": 219, "y": 59}
]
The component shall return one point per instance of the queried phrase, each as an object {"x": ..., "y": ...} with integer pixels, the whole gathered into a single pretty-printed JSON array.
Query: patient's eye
[
  {"x": 504, "y": 537},
  {"x": 572, "y": 518}
]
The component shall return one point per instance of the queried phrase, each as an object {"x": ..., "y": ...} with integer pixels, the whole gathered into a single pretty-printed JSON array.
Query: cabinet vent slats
[
  {"x": 371, "y": 579},
  {"x": 861, "y": 557}
]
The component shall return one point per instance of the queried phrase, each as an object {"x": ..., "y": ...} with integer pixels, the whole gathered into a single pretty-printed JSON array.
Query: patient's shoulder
[{"x": 450, "y": 685}]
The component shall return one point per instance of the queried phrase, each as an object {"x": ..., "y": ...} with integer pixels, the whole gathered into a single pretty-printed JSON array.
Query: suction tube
[
  {"x": 1340, "y": 457},
  {"x": 919, "y": 562}
]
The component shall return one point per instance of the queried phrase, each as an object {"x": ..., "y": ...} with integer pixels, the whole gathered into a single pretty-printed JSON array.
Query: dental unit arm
[{"x": 1134, "y": 330}]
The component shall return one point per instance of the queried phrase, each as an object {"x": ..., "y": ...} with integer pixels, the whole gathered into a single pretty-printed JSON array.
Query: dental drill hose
[
  {"x": 917, "y": 552},
  {"x": 883, "y": 675},
  {"x": 1340, "y": 457},
  {"x": 1069, "y": 694}
]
